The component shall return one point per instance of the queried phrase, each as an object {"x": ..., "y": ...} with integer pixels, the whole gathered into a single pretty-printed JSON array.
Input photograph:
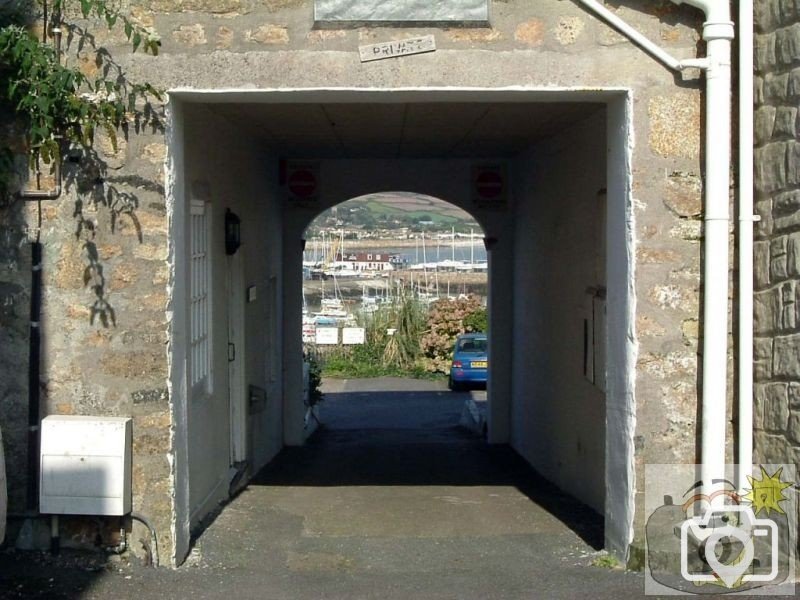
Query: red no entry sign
[
  {"x": 302, "y": 181},
  {"x": 489, "y": 184}
]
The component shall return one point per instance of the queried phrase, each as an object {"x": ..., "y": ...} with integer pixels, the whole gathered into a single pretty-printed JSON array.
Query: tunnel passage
[{"x": 558, "y": 251}]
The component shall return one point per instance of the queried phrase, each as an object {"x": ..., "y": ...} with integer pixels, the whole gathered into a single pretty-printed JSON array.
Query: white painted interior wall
[
  {"x": 262, "y": 246},
  {"x": 243, "y": 185},
  {"x": 570, "y": 169},
  {"x": 558, "y": 415}
]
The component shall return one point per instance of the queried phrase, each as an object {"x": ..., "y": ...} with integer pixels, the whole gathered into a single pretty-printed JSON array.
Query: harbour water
[{"x": 415, "y": 255}]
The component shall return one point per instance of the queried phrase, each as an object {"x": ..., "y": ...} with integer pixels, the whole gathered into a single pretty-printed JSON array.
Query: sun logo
[{"x": 767, "y": 493}]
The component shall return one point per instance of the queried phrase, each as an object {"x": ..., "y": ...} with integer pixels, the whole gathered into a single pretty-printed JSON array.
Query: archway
[
  {"x": 549, "y": 267},
  {"x": 390, "y": 280}
]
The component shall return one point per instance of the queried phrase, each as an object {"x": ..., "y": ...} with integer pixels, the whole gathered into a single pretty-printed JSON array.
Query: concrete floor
[{"x": 390, "y": 499}]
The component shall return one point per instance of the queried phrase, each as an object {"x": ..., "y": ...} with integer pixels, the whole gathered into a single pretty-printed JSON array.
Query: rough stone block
[
  {"x": 788, "y": 10},
  {"x": 690, "y": 328},
  {"x": 203, "y": 6},
  {"x": 788, "y": 320},
  {"x": 268, "y": 34},
  {"x": 787, "y": 44},
  {"x": 764, "y": 46},
  {"x": 224, "y": 38},
  {"x": 786, "y": 357},
  {"x": 786, "y": 122},
  {"x": 770, "y": 448},
  {"x": 531, "y": 33},
  {"x": 792, "y": 85},
  {"x": 155, "y": 153},
  {"x": 675, "y": 125},
  {"x": 684, "y": 194},
  {"x": 761, "y": 264},
  {"x": 770, "y": 171},
  {"x": 765, "y": 224},
  {"x": 767, "y": 311},
  {"x": 793, "y": 254},
  {"x": 190, "y": 35},
  {"x": 786, "y": 209},
  {"x": 777, "y": 87},
  {"x": 764, "y": 124},
  {"x": 794, "y": 395},
  {"x": 473, "y": 35},
  {"x": 150, "y": 396},
  {"x": 690, "y": 230},
  {"x": 778, "y": 256},
  {"x": 762, "y": 359},
  {"x": 758, "y": 90},
  {"x": 793, "y": 163},
  {"x": 771, "y": 407},
  {"x": 322, "y": 36},
  {"x": 766, "y": 14},
  {"x": 568, "y": 30},
  {"x": 793, "y": 427}
]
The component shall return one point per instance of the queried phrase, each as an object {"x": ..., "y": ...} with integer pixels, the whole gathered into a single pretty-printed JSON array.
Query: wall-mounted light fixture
[{"x": 233, "y": 236}]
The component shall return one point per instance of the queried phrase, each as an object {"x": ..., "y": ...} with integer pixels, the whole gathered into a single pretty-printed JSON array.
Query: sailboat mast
[{"x": 471, "y": 246}]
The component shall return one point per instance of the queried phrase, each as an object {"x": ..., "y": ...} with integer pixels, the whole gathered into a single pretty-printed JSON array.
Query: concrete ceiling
[{"x": 403, "y": 130}]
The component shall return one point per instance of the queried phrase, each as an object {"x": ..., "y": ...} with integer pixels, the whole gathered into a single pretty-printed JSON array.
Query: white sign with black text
[{"x": 353, "y": 335}]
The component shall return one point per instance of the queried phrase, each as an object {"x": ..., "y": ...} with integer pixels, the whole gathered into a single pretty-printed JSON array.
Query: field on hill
[{"x": 412, "y": 206}]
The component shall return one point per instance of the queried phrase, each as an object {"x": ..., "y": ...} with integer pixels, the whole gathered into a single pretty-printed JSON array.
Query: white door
[{"x": 237, "y": 389}]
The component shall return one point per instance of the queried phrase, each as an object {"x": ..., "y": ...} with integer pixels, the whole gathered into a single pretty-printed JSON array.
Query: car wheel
[{"x": 454, "y": 386}]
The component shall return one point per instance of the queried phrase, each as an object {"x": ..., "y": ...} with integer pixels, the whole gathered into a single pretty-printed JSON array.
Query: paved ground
[{"x": 390, "y": 499}]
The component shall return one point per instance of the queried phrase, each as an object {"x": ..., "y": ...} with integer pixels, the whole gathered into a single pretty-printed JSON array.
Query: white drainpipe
[
  {"x": 745, "y": 441},
  {"x": 718, "y": 33}
]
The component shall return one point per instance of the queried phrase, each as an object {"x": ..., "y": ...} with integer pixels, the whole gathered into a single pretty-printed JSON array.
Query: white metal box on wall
[{"x": 85, "y": 465}]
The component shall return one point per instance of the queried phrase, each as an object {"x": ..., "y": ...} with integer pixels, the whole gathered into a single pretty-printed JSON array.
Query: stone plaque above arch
[{"x": 329, "y": 13}]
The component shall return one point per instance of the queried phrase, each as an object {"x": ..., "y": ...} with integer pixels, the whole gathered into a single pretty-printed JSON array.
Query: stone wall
[
  {"x": 104, "y": 326},
  {"x": 777, "y": 246},
  {"x": 106, "y": 243}
]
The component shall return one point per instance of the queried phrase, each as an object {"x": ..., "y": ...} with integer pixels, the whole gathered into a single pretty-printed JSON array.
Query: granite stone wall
[
  {"x": 106, "y": 322},
  {"x": 777, "y": 246}
]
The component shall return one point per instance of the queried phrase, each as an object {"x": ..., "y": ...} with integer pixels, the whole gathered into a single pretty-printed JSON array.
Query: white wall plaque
[
  {"x": 417, "y": 45},
  {"x": 472, "y": 12}
]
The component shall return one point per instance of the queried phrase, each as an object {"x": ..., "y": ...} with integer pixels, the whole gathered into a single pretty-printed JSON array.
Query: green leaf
[
  {"x": 137, "y": 39},
  {"x": 86, "y": 7}
]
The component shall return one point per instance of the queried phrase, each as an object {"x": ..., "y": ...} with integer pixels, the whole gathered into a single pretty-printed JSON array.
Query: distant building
[{"x": 370, "y": 261}]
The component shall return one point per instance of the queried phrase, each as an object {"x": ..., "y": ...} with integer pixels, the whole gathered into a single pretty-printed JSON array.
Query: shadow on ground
[{"x": 403, "y": 439}]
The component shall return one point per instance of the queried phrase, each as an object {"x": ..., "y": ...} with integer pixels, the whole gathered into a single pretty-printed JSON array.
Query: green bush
[
  {"x": 314, "y": 380},
  {"x": 447, "y": 320}
]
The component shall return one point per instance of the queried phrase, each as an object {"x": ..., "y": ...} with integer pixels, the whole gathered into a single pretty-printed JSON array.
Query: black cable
[{"x": 146, "y": 523}]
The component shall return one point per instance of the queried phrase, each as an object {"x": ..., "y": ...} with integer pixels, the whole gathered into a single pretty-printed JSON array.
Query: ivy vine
[{"x": 58, "y": 105}]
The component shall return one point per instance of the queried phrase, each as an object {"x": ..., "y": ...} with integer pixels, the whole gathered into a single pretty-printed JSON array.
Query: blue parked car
[{"x": 470, "y": 362}]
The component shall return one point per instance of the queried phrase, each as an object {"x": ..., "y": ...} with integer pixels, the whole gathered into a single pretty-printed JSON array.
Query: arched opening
[{"x": 396, "y": 289}]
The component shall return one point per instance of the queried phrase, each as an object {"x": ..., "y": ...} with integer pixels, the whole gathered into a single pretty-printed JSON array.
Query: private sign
[{"x": 417, "y": 45}]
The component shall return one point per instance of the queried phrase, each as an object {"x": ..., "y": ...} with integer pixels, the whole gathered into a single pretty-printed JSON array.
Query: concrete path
[{"x": 390, "y": 499}]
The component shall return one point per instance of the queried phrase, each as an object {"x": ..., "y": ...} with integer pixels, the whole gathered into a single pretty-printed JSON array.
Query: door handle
[{"x": 231, "y": 352}]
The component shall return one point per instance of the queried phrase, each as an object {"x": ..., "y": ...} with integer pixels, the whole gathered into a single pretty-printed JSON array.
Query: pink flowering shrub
[{"x": 446, "y": 320}]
